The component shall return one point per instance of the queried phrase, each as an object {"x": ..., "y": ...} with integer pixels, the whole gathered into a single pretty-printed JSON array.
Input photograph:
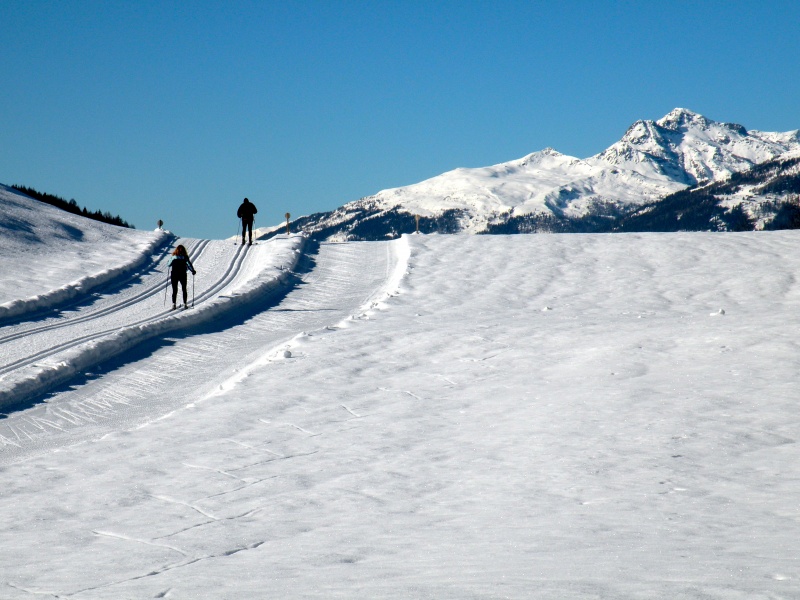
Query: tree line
[{"x": 72, "y": 207}]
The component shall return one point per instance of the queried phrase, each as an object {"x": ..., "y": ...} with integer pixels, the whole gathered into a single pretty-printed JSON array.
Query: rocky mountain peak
[{"x": 681, "y": 119}]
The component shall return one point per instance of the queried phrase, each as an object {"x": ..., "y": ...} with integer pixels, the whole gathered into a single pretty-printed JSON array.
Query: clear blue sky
[{"x": 178, "y": 110}]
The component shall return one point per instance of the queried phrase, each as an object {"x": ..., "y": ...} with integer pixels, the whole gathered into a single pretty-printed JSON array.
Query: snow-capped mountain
[
  {"x": 549, "y": 191},
  {"x": 688, "y": 148}
]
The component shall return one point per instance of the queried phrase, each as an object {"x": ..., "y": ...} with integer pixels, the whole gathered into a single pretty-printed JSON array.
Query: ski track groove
[
  {"x": 150, "y": 291},
  {"x": 233, "y": 268},
  {"x": 213, "y": 470},
  {"x": 169, "y": 500},
  {"x": 33, "y": 592},
  {"x": 228, "y": 276},
  {"x": 126, "y": 538},
  {"x": 344, "y": 278},
  {"x": 163, "y": 569},
  {"x": 69, "y": 321},
  {"x": 351, "y": 412}
]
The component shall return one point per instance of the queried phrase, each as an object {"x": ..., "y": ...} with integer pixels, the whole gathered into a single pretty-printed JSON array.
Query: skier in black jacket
[
  {"x": 247, "y": 211},
  {"x": 178, "y": 265}
]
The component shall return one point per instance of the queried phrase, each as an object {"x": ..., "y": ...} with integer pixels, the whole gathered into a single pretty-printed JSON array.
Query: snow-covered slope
[
  {"x": 547, "y": 190},
  {"x": 59, "y": 255},
  {"x": 552, "y": 417}
]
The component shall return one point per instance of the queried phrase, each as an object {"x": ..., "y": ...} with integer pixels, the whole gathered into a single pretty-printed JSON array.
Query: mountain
[
  {"x": 688, "y": 148},
  {"x": 549, "y": 191}
]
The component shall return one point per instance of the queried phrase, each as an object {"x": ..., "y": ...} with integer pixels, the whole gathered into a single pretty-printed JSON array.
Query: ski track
[
  {"x": 146, "y": 283},
  {"x": 345, "y": 279},
  {"x": 108, "y": 304},
  {"x": 51, "y": 354}
]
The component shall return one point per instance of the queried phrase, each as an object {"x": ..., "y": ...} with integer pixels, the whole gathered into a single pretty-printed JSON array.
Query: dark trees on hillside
[
  {"x": 72, "y": 207},
  {"x": 787, "y": 216}
]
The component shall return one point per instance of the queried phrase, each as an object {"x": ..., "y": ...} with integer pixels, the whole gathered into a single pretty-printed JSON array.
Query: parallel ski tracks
[
  {"x": 150, "y": 290},
  {"x": 196, "y": 248}
]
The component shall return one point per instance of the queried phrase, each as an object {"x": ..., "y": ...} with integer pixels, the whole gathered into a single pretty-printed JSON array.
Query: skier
[
  {"x": 247, "y": 211},
  {"x": 178, "y": 266}
]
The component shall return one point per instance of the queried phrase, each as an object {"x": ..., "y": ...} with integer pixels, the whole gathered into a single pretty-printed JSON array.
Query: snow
[{"x": 543, "y": 416}]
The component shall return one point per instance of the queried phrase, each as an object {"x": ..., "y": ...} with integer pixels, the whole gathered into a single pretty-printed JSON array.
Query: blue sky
[{"x": 178, "y": 110}]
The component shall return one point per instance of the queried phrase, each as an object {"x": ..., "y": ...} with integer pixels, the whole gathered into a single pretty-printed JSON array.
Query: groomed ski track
[
  {"x": 48, "y": 347},
  {"x": 330, "y": 283}
]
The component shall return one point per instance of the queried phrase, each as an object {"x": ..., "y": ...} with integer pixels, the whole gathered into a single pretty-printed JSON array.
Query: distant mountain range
[{"x": 682, "y": 172}]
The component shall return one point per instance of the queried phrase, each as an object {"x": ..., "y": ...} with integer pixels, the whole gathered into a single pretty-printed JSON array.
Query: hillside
[
  {"x": 72, "y": 206},
  {"x": 766, "y": 196},
  {"x": 52, "y": 256}
]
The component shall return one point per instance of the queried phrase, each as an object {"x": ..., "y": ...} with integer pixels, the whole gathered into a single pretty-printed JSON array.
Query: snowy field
[{"x": 444, "y": 417}]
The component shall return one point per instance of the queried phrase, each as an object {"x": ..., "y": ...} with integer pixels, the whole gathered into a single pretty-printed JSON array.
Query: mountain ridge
[{"x": 550, "y": 191}]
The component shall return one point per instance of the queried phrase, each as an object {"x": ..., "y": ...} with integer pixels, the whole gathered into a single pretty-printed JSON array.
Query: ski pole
[
  {"x": 238, "y": 224},
  {"x": 165, "y": 291},
  {"x": 192, "y": 290}
]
